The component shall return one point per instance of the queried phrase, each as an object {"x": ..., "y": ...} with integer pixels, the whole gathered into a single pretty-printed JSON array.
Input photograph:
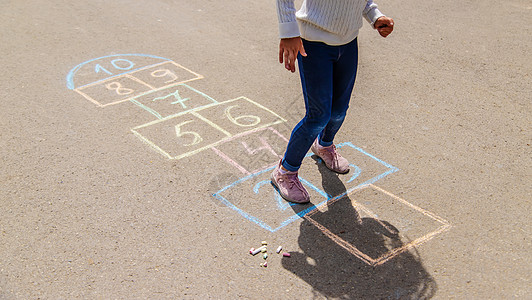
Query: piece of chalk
[
  {"x": 286, "y": 254},
  {"x": 279, "y": 249},
  {"x": 263, "y": 250},
  {"x": 264, "y": 243},
  {"x": 265, "y": 264},
  {"x": 251, "y": 250},
  {"x": 258, "y": 250},
  {"x": 265, "y": 255}
]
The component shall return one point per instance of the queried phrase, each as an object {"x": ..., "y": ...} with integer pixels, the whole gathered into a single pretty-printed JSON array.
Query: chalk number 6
[{"x": 254, "y": 119}]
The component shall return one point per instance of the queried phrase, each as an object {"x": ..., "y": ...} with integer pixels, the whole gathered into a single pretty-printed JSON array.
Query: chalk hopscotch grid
[
  {"x": 194, "y": 111},
  {"x": 392, "y": 253},
  {"x": 302, "y": 214},
  {"x": 128, "y": 75},
  {"x": 306, "y": 213}
]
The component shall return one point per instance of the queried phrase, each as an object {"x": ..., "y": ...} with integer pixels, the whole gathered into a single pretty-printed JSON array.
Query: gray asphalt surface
[{"x": 112, "y": 198}]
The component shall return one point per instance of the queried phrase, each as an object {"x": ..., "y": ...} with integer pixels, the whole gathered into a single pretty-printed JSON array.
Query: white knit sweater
[{"x": 334, "y": 22}]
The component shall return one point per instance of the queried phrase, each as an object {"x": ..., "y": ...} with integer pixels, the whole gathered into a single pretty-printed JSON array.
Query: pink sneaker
[
  {"x": 332, "y": 159},
  {"x": 289, "y": 186}
]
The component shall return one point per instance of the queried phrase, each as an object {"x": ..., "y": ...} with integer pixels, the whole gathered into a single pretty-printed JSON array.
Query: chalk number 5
[{"x": 197, "y": 138}]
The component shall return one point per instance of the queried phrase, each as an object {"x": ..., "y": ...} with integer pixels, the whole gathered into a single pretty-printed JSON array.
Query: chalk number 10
[{"x": 119, "y": 64}]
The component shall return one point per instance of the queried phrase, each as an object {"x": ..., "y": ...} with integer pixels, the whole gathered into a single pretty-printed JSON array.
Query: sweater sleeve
[
  {"x": 371, "y": 12},
  {"x": 286, "y": 13}
]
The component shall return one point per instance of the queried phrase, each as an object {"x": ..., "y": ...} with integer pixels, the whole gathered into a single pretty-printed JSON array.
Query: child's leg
[
  {"x": 316, "y": 72},
  {"x": 344, "y": 74}
]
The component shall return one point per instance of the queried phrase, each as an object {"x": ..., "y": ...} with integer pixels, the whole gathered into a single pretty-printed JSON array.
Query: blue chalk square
[
  {"x": 172, "y": 100},
  {"x": 364, "y": 169},
  {"x": 256, "y": 199}
]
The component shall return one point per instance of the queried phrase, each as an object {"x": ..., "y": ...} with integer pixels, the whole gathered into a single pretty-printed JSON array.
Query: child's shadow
[{"x": 335, "y": 272}]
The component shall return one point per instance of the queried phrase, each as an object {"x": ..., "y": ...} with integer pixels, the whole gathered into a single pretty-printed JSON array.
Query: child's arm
[
  {"x": 291, "y": 43},
  {"x": 288, "y": 50},
  {"x": 379, "y": 21}
]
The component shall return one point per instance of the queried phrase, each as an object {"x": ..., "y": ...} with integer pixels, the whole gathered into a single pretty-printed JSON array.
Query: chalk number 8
[{"x": 117, "y": 87}]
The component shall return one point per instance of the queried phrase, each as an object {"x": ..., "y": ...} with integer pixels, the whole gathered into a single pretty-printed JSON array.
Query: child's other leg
[
  {"x": 344, "y": 74},
  {"x": 316, "y": 72}
]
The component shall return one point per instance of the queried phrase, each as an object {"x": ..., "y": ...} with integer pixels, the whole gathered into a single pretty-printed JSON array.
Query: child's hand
[
  {"x": 288, "y": 50},
  {"x": 384, "y": 26}
]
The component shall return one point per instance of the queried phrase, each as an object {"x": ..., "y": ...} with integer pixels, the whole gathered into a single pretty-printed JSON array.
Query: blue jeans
[{"x": 327, "y": 76}]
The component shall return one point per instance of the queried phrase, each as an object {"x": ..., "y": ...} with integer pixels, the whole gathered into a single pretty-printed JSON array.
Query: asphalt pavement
[{"x": 137, "y": 139}]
